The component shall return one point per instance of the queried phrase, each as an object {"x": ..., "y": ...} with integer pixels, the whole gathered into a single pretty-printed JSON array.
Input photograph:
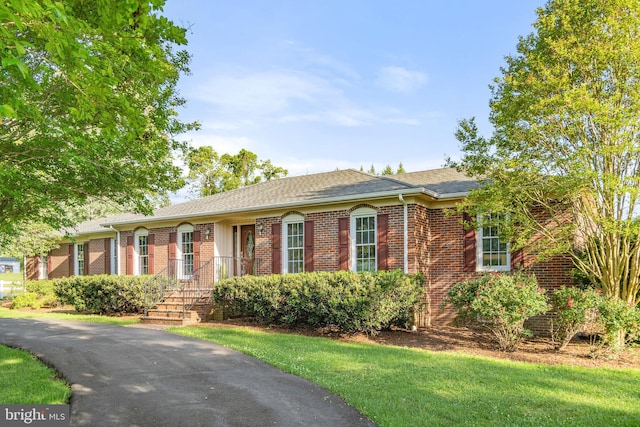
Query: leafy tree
[
  {"x": 387, "y": 170},
  {"x": 29, "y": 240},
  {"x": 566, "y": 145},
  {"x": 211, "y": 173},
  {"x": 87, "y": 107}
]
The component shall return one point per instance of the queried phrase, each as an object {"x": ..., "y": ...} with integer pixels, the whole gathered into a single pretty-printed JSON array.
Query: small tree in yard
[
  {"x": 500, "y": 303},
  {"x": 566, "y": 116},
  {"x": 31, "y": 239}
]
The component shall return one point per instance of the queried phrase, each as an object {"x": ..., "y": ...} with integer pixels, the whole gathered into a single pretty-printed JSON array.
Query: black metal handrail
[{"x": 193, "y": 282}]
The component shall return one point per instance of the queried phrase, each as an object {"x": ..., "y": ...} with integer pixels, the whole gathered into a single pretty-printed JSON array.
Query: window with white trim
[
  {"x": 44, "y": 267},
  {"x": 363, "y": 240},
  {"x": 114, "y": 256},
  {"x": 79, "y": 267},
  {"x": 293, "y": 247},
  {"x": 141, "y": 243},
  {"x": 493, "y": 253},
  {"x": 185, "y": 248}
]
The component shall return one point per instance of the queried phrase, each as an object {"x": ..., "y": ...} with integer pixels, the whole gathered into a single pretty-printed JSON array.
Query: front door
[{"x": 248, "y": 248}]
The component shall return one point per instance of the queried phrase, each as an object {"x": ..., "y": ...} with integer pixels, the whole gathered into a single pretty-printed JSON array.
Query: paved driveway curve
[{"x": 143, "y": 377}]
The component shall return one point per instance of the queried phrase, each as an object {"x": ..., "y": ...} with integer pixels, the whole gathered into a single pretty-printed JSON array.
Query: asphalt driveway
[{"x": 142, "y": 377}]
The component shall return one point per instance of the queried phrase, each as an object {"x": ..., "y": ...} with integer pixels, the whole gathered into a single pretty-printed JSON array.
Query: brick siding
[{"x": 435, "y": 248}]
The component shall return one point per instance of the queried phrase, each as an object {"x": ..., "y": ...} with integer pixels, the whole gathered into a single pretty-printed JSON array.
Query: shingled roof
[{"x": 304, "y": 190}]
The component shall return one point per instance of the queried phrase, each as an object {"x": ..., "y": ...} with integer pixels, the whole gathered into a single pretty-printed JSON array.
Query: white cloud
[
  {"x": 399, "y": 79},
  {"x": 325, "y": 62},
  {"x": 341, "y": 116},
  {"x": 265, "y": 93}
]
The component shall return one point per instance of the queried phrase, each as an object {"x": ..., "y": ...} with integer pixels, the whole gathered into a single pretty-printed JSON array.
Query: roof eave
[{"x": 327, "y": 200}]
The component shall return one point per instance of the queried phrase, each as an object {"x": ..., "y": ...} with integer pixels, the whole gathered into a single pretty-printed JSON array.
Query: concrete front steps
[{"x": 169, "y": 311}]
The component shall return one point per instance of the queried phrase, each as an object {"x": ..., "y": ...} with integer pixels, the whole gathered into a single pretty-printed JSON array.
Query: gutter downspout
[
  {"x": 117, "y": 250},
  {"x": 406, "y": 235}
]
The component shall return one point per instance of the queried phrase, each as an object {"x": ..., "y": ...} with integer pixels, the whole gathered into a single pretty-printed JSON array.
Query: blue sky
[{"x": 316, "y": 85}]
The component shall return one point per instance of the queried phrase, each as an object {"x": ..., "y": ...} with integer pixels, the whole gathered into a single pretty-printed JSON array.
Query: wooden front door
[{"x": 248, "y": 248}]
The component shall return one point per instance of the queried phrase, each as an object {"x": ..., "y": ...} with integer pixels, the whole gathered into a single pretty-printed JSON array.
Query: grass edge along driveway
[
  {"x": 26, "y": 380},
  {"x": 396, "y": 386}
]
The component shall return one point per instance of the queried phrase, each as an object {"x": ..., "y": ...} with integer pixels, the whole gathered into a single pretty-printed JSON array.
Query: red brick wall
[
  {"x": 161, "y": 246},
  {"x": 435, "y": 248},
  {"x": 96, "y": 256},
  {"x": 59, "y": 259},
  {"x": 32, "y": 268},
  {"x": 447, "y": 261},
  {"x": 419, "y": 235},
  {"x": 325, "y": 247}
]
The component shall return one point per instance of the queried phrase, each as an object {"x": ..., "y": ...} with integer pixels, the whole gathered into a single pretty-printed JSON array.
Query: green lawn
[
  {"x": 11, "y": 277},
  {"x": 25, "y": 380},
  {"x": 396, "y": 386},
  {"x": 93, "y": 318}
]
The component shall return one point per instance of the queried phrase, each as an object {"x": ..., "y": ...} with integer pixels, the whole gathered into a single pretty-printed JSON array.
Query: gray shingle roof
[
  {"x": 97, "y": 225},
  {"x": 303, "y": 190},
  {"x": 441, "y": 181}
]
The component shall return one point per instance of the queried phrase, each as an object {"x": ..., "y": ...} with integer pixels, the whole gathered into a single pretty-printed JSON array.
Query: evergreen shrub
[{"x": 351, "y": 302}]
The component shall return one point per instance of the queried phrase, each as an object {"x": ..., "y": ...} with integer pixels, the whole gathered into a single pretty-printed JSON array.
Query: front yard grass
[
  {"x": 26, "y": 380},
  {"x": 396, "y": 386},
  {"x": 93, "y": 318},
  {"x": 11, "y": 277}
]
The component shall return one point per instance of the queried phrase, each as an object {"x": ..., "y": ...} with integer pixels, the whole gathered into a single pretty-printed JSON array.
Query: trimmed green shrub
[
  {"x": 500, "y": 303},
  {"x": 574, "y": 309},
  {"x": 27, "y": 299},
  {"x": 103, "y": 294},
  {"x": 40, "y": 293},
  {"x": 351, "y": 302},
  {"x": 462, "y": 295},
  {"x": 619, "y": 324}
]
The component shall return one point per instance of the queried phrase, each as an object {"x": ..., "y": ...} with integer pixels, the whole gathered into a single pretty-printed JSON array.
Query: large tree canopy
[
  {"x": 211, "y": 173},
  {"x": 566, "y": 113},
  {"x": 87, "y": 106}
]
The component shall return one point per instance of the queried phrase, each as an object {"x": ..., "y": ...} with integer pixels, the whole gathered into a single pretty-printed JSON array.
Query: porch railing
[{"x": 194, "y": 281}]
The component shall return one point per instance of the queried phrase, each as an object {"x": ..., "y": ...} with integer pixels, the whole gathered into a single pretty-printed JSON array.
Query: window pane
[
  {"x": 187, "y": 252},
  {"x": 143, "y": 255},
  {"x": 365, "y": 240},
  {"x": 494, "y": 251},
  {"x": 295, "y": 247},
  {"x": 80, "y": 250}
]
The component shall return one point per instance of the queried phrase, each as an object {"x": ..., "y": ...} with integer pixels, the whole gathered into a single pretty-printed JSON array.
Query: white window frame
[
  {"x": 480, "y": 238},
  {"x": 182, "y": 272},
  {"x": 77, "y": 271},
  {"x": 113, "y": 264},
  {"x": 43, "y": 274},
  {"x": 293, "y": 219},
  {"x": 357, "y": 214},
  {"x": 143, "y": 232}
]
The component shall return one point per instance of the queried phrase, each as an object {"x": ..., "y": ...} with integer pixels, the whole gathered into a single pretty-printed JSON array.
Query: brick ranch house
[{"x": 341, "y": 220}]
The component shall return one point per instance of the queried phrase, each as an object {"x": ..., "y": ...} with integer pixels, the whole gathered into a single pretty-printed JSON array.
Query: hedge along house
[{"x": 341, "y": 220}]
